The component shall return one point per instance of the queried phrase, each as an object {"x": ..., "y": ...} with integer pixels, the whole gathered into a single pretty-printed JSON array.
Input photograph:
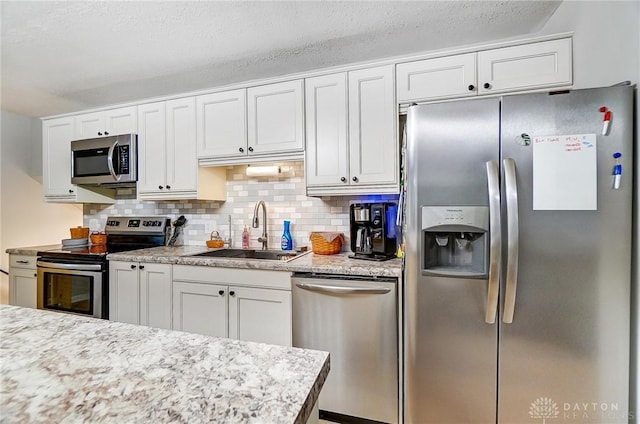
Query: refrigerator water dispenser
[{"x": 455, "y": 241}]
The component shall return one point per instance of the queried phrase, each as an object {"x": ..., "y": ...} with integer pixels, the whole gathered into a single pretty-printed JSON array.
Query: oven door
[{"x": 72, "y": 288}]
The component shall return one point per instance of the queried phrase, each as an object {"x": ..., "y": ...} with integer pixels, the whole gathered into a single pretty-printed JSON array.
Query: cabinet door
[
  {"x": 124, "y": 292},
  {"x": 152, "y": 149},
  {"x": 23, "y": 287},
  {"x": 222, "y": 124},
  {"x": 526, "y": 67},
  {"x": 260, "y": 315},
  {"x": 442, "y": 77},
  {"x": 373, "y": 142},
  {"x": 327, "y": 151},
  {"x": 121, "y": 121},
  {"x": 200, "y": 308},
  {"x": 181, "y": 159},
  {"x": 56, "y": 157},
  {"x": 90, "y": 125},
  {"x": 275, "y": 117},
  {"x": 155, "y": 295}
]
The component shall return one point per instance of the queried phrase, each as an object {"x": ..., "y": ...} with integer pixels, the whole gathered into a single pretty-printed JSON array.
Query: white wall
[
  {"x": 25, "y": 219},
  {"x": 606, "y": 50}
]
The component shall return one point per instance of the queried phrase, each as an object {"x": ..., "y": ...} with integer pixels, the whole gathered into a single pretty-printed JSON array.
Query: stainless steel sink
[{"x": 270, "y": 255}]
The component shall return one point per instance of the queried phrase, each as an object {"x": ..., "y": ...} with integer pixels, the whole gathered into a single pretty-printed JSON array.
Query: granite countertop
[
  {"x": 307, "y": 262},
  {"x": 32, "y": 250},
  {"x": 67, "y": 368}
]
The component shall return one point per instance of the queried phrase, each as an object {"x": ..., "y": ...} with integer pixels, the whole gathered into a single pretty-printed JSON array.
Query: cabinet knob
[
  {"x": 106, "y": 133},
  {"x": 70, "y": 191},
  {"x": 168, "y": 187},
  {"x": 232, "y": 293},
  {"x": 241, "y": 150},
  {"x": 487, "y": 85},
  {"x": 343, "y": 179},
  {"x": 221, "y": 292},
  {"x": 471, "y": 87},
  {"x": 35, "y": 274},
  {"x": 133, "y": 267},
  {"x": 141, "y": 266},
  {"x": 250, "y": 149},
  {"x": 354, "y": 179},
  {"x": 99, "y": 133},
  {"x": 160, "y": 187}
]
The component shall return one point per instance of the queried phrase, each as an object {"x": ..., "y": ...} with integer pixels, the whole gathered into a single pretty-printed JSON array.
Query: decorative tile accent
[{"x": 285, "y": 198}]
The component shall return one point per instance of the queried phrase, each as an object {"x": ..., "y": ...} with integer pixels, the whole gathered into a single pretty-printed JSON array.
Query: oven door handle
[{"x": 72, "y": 267}]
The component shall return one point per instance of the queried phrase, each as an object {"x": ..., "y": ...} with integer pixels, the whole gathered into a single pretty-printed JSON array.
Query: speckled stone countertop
[
  {"x": 66, "y": 368},
  {"x": 308, "y": 262},
  {"x": 32, "y": 250}
]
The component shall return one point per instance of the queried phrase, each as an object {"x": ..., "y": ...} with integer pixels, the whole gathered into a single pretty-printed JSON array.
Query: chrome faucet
[{"x": 256, "y": 223}]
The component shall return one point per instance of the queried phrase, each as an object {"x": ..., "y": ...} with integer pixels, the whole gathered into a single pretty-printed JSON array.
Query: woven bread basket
[
  {"x": 79, "y": 232},
  {"x": 326, "y": 243}
]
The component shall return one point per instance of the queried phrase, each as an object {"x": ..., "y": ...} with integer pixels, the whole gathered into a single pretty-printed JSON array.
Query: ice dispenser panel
[{"x": 455, "y": 241}]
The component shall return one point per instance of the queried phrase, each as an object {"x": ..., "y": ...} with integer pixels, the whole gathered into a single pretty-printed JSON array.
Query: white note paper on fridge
[{"x": 565, "y": 172}]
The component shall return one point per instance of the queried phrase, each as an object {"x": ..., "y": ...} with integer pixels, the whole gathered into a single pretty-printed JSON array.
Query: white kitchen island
[{"x": 67, "y": 368}]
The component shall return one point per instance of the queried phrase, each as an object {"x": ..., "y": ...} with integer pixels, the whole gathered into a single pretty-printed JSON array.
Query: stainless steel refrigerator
[{"x": 518, "y": 258}]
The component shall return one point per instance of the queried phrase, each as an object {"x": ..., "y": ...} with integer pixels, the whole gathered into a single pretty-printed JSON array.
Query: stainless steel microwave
[{"x": 111, "y": 160}]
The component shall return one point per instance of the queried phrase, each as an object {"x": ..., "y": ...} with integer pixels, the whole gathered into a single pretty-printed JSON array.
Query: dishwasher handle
[{"x": 324, "y": 288}]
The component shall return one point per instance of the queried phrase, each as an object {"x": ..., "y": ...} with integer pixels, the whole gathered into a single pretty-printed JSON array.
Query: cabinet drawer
[
  {"x": 242, "y": 277},
  {"x": 22, "y": 261}
]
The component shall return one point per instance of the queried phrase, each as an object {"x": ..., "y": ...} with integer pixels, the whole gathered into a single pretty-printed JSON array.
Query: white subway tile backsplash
[{"x": 284, "y": 196}]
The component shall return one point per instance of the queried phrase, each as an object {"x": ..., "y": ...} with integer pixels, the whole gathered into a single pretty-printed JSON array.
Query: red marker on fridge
[{"x": 606, "y": 120}]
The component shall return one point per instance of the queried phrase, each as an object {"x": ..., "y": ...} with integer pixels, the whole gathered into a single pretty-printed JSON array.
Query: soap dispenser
[
  {"x": 245, "y": 238},
  {"x": 287, "y": 241}
]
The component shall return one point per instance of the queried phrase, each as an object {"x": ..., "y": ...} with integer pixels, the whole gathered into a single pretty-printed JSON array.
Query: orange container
[
  {"x": 326, "y": 243},
  {"x": 79, "y": 232},
  {"x": 98, "y": 238}
]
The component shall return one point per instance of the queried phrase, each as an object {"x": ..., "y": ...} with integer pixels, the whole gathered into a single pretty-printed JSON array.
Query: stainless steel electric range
[{"x": 76, "y": 279}]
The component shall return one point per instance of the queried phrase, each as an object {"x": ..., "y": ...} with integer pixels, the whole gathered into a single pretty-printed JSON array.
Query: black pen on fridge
[{"x": 617, "y": 170}]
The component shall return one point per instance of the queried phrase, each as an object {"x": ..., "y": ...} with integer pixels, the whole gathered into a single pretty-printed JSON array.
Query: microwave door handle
[{"x": 112, "y": 170}]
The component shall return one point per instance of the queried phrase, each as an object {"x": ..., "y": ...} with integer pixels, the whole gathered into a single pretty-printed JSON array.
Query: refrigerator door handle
[
  {"x": 511, "y": 279},
  {"x": 495, "y": 243}
]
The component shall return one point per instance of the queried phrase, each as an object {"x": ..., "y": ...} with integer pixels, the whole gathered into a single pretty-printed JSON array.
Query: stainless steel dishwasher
[{"x": 355, "y": 320}]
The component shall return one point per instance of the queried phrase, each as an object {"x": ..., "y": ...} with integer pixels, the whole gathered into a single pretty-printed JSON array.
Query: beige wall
[{"x": 25, "y": 220}]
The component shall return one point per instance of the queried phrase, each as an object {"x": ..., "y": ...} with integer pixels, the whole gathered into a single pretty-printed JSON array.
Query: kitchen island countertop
[{"x": 66, "y": 368}]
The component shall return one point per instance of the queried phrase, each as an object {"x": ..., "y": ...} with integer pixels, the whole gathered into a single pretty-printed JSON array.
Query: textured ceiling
[{"x": 60, "y": 57}]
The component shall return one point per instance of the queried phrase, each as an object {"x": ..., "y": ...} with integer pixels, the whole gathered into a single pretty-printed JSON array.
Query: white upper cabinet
[
  {"x": 373, "y": 141},
  {"x": 167, "y": 162},
  {"x": 249, "y": 125},
  {"x": 275, "y": 118},
  {"x": 327, "y": 153},
  {"x": 110, "y": 122},
  {"x": 544, "y": 64},
  {"x": 352, "y": 146},
  {"x": 526, "y": 67},
  {"x": 57, "y": 134},
  {"x": 437, "y": 78},
  {"x": 222, "y": 124}
]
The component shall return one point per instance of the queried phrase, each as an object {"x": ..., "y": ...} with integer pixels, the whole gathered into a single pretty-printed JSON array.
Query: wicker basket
[
  {"x": 79, "y": 232},
  {"x": 326, "y": 243}
]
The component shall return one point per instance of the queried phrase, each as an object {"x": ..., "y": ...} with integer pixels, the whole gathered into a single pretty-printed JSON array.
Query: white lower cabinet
[
  {"x": 250, "y": 305},
  {"x": 140, "y": 293},
  {"x": 200, "y": 308},
  {"x": 23, "y": 281}
]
